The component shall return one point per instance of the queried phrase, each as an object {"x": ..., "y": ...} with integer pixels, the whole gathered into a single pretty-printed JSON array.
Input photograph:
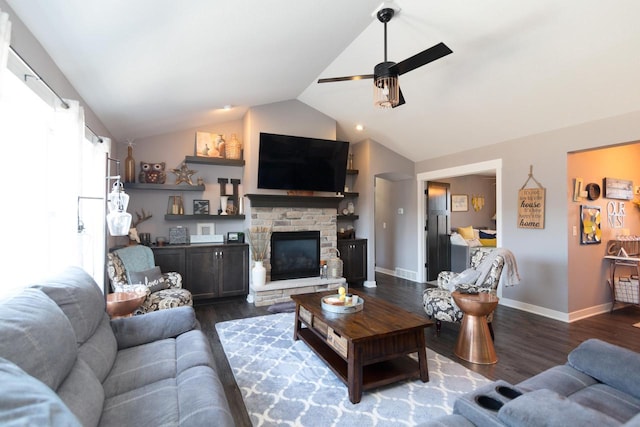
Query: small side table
[
  {"x": 123, "y": 304},
  {"x": 474, "y": 340}
]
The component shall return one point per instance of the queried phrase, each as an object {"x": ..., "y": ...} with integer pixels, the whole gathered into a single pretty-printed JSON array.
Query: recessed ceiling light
[
  {"x": 359, "y": 128},
  {"x": 227, "y": 107}
]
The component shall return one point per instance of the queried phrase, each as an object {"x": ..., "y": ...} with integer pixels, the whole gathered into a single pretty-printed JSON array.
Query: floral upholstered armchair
[
  {"x": 133, "y": 268},
  {"x": 483, "y": 276}
]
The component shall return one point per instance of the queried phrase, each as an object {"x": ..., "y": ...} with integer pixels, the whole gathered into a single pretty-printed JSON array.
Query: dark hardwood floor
[{"x": 526, "y": 343}]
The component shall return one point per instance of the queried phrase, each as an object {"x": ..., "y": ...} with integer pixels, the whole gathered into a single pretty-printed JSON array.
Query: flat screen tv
[{"x": 300, "y": 163}]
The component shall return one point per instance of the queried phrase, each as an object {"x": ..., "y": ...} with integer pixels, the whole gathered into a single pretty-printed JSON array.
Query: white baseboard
[
  {"x": 554, "y": 314},
  {"x": 401, "y": 273},
  {"x": 370, "y": 284}
]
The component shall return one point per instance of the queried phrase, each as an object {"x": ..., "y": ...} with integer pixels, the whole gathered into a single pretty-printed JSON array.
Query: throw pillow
[
  {"x": 151, "y": 278},
  {"x": 489, "y": 242},
  {"x": 474, "y": 243},
  {"x": 457, "y": 239},
  {"x": 487, "y": 234},
  {"x": 466, "y": 232}
]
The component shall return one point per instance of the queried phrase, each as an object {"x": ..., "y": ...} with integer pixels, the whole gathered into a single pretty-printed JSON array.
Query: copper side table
[
  {"x": 123, "y": 304},
  {"x": 474, "y": 340}
]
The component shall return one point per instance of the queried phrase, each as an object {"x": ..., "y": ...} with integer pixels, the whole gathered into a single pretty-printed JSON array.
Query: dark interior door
[{"x": 437, "y": 229}]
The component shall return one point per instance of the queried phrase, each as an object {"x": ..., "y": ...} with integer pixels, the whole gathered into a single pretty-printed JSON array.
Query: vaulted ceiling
[{"x": 518, "y": 68}]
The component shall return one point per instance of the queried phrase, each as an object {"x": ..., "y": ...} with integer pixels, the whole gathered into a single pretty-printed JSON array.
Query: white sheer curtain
[
  {"x": 5, "y": 38},
  {"x": 42, "y": 152}
]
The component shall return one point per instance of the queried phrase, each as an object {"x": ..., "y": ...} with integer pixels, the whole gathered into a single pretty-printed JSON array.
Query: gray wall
[
  {"x": 470, "y": 185},
  {"x": 374, "y": 160},
  {"x": 543, "y": 254}
]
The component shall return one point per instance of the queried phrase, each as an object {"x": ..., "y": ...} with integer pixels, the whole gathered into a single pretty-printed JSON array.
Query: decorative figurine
[
  {"x": 184, "y": 174},
  {"x": 152, "y": 173}
]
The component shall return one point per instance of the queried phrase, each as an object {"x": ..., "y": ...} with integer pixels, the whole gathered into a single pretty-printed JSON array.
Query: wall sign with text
[{"x": 531, "y": 208}]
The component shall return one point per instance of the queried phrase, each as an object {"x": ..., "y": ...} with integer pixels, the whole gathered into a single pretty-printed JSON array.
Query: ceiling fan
[{"x": 386, "y": 90}]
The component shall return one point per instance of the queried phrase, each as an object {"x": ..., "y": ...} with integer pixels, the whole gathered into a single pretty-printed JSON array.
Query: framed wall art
[
  {"x": 590, "y": 225},
  {"x": 201, "y": 207},
  {"x": 621, "y": 189},
  {"x": 206, "y": 228},
  {"x": 459, "y": 203}
]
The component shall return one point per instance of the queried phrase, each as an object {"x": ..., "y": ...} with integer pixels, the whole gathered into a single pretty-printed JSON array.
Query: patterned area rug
[{"x": 284, "y": 383}]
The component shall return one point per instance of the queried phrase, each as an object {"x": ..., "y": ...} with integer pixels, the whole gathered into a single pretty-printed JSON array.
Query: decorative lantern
[{"x": 334, "y": 265}]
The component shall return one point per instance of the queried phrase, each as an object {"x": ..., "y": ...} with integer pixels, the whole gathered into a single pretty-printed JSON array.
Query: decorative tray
[{"x": 333, "y": 304}]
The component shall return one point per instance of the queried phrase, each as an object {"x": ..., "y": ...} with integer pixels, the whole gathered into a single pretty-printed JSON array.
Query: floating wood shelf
[
  {"x": 171, "y": 217},
  {"x": 165, "y": 187},
  {"x": 284, "y": 201},
  {"x": 213, "y": 161}
]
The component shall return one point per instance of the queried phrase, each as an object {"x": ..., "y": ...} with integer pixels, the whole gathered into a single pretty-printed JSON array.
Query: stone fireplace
[{"x": 299, "y": 213}]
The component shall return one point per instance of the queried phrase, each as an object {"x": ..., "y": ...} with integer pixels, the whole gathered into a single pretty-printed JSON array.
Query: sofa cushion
[
  {"x": 547, "y": 408},
  {"x": 82, "y": 301},
  {"x": 608, "y": 363},
  {"x": 563, "y": 379},
  {"x": 25, "y": 401},
  {"x": 157, "y": 325},
  {"x": 37, "y": 336},
  {"x": 151, "y": 278},
  {"x": 608, "y": 400},
  {"x": 83, "y": 394}
]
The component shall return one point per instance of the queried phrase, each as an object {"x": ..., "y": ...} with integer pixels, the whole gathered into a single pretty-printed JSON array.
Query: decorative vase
[
  {"x": 223, "y": 204},
  {"x": 129, "y": 166},
  {"x": 258, "y": 274},
  {"x": 233, "y": 148},
  {"x": 220, "y": 145},
  {"x": 351, "y": 209}
]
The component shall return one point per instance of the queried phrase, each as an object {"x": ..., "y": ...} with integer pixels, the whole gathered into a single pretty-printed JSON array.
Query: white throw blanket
[{"x": 509, "y": 275}]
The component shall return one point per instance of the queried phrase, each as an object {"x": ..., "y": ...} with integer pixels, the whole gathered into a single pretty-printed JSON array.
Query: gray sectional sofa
[
  {"x": 63, "y": 362},
  {"x": 598, "y": 386}
]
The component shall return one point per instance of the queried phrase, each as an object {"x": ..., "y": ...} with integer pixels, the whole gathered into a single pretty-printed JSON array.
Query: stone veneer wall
[{"x": 299, "y": 219}]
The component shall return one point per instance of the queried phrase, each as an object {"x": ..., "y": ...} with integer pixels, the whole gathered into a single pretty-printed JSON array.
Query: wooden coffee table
[{"x": 367, "y": 349}]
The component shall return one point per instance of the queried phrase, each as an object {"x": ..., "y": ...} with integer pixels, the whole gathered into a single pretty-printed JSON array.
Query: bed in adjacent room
[{"x": 469, "y": 242}]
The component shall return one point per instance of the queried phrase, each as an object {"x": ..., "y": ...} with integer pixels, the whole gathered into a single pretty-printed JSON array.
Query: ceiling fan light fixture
[{"x": 386, "y": 90}]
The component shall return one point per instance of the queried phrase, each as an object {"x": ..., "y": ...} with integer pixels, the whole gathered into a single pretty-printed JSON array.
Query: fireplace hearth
[{"x": 295, "y": 254}]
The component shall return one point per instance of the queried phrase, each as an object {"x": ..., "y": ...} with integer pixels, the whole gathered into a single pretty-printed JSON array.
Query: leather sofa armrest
[{"x": 154, "y": 326}]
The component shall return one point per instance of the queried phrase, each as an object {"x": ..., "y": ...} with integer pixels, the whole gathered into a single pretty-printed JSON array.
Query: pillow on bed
[
  {"x": 466, "y": 232},
  {"x": 474, "y": 243},
  {"x": 457, "y": 239},
  {"x": 487, "y": 234},
  {"x": 489, "y": 242}
]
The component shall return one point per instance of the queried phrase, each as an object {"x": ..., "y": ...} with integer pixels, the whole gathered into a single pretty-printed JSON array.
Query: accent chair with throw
[
  {"x": 134, "y": 267},
  {"x": 488, "y": 270}
]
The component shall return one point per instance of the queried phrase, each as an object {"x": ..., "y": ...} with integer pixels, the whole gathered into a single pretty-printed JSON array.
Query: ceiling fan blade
[
  {"x": 422, "y": 58},
  {"x": 343, "y": 79},
  {"x": 401, "y": 100}
]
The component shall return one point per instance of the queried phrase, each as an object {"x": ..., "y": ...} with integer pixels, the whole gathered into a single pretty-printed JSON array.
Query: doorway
[
  {"x": 493, "y": 166},
  {"x": 438, "y": 225}
]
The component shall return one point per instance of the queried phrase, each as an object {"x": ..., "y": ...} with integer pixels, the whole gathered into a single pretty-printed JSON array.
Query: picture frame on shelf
[
  {"x": 459, "y": 203},
  {"x": 200, "y": 207},
  {"x": 206, "y": 228},
  {"x": 206, "y": 145}
]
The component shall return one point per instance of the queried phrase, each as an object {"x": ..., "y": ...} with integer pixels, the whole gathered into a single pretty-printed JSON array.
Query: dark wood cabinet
[
  {"x": 208, "y": 271},
  {"x": 353, "y": 253}
]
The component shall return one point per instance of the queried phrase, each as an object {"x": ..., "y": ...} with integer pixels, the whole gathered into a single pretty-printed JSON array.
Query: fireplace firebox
[{"x": 295, "y": 254}]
